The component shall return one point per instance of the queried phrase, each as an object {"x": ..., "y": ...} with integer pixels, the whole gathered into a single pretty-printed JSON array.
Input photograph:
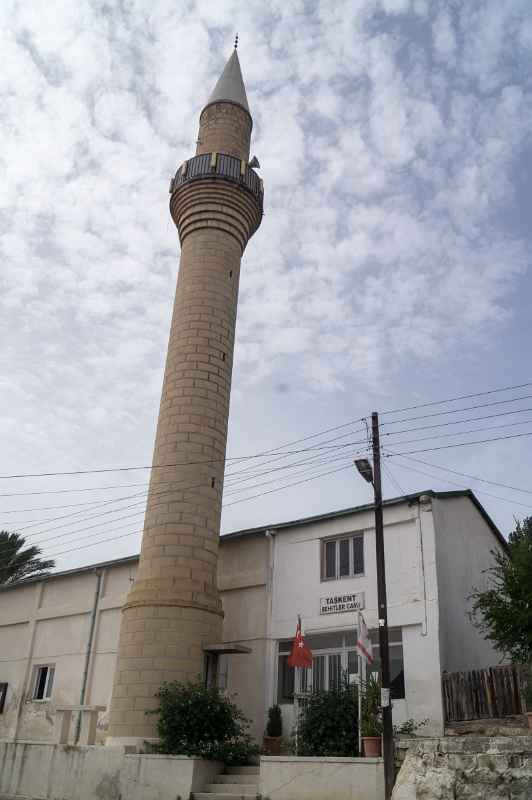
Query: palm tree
[{"x": 17, "y": 562}]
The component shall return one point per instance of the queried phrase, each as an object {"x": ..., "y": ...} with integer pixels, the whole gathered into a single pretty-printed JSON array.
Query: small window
[
  {"x": 43, "y": 682},
  {"x": 285, "y": 683},
  {"x": 342, "y": 558},
  {"x": 397, "y": 675},
  {"x": 330, "y": 560}
]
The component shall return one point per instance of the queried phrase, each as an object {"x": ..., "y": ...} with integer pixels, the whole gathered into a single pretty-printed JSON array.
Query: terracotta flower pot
[
  {"x": 372, "y": 746},
  {"x": 272, "y": 745},
  {"x": 529, "y": 717}
]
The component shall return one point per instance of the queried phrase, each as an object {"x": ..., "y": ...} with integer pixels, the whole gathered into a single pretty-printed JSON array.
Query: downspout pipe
[
  {"x": 424, "y": 625},
  {"x": 88, "y": 652}
]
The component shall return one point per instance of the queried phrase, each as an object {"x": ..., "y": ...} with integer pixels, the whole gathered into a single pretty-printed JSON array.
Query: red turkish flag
[{"x": 301, "y": 655}]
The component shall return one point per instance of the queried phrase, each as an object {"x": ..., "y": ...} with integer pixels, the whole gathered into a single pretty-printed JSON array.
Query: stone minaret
[{"x": 173, "y": 609}]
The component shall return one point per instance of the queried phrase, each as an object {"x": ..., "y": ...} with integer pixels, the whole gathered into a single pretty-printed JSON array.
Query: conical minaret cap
[{"x": 230, "y": 86}]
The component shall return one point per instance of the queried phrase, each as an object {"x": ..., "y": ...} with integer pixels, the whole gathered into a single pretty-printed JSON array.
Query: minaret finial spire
[{"x": 230, "y": 86}]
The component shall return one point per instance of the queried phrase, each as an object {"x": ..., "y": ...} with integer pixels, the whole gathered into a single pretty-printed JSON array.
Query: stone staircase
[{"x": 236, "y": 783}]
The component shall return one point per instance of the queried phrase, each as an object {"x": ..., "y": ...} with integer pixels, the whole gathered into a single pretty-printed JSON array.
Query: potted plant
[
  {"x": 274, "y": 732},
  {"x": 370, "y": 722}
]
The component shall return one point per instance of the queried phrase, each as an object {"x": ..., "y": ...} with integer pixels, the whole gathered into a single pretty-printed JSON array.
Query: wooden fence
[{"x": 482, "y": 693}]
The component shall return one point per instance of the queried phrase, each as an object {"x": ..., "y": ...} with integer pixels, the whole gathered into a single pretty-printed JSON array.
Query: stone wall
[{"x": 465, "y": 768}]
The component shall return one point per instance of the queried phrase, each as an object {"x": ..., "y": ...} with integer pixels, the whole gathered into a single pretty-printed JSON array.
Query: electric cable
[
  {"x": 461, "y": 486},
  {"x": 454, "y": 399},
  {"x": 75, "y": 532},
  {"x": 463, "y": 474},
  {"x": 458, "y": 410},
  {"x": 280, "y": 488},
  {"x": 460, "y": 433},
  {"x": 457, "y": 422},
  {"x": 465, "y": 444}
]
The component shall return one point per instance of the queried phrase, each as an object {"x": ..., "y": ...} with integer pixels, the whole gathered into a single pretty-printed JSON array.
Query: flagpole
[
  {"x": 359, "y": 705},
  {"x": 359, "y": 693}
]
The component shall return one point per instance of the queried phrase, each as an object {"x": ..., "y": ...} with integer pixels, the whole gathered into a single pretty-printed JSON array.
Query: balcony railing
[{"x": 219, "y": 165}]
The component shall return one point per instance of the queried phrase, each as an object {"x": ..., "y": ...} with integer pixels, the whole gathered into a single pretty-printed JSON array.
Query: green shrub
[
  {"x": 274, "y": 726},
  {"x": 328, "y": 723},
  {"x": 199, "y": 721},
  {"x": 371, "y": 700}
]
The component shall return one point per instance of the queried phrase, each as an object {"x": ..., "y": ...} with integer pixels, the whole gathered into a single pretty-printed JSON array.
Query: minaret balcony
[
  {"x": 216, "y": 191},
  {"x": 222, "y": 166}
]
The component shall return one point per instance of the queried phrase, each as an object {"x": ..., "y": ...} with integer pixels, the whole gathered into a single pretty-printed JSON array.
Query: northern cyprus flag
[{"x": 363, "y": 640}]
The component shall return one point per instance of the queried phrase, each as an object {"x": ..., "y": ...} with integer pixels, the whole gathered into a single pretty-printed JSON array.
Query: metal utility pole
[{"x": 387, "y": 727}]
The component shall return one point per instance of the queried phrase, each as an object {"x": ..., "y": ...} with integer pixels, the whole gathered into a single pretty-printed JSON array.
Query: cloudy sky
[{"x": 392, "y": 267}]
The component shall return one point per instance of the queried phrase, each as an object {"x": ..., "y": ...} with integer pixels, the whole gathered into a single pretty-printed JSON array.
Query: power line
[
  {"x": 313, "y": 461},
  {"x": 93, "y": 544},
  {"x": 146, "y": 483},
  {"x": 75, "y": 532},
  {"x": 463, "y": 444},
  {"x": 280, "y": 488},
  {"x": 278, "y": 451},
  {"x": 392, "y": 477},
  {"x": 54, "y": 508},
  {"x": 288, "y": 485},
  {"x": 461, "y": 486},
  {"x": 458, "y": 410},
  {"x": 72, "y": 491},
  {"x": 460, "y": 433},
  {"x": 465, "y": 475},
  {"x": 273, "y": 450},
  {"x": 457, "y": 422},
  {"x": 316, "y": 465},
  {"x": 454, "y": 399}
]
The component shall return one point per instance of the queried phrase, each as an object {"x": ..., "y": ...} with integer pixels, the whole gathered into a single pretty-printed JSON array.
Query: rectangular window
[
  {"x": 335, "y": 659},
  {"x": 330, "y": 560},
  {"x": 43, "y": 680},
  {"x": 397, "y": 675},
  {"x": 342, "y": 558},
  {"x": 285, "y": 681}
]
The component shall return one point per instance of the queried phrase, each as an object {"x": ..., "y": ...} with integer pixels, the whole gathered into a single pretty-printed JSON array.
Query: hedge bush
[
  {"x": 198, "y": 721},
  {"x": 328, "y": 723}
]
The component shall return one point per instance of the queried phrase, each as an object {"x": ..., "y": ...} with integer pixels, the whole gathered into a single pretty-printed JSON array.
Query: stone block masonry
[
  {"x": 466, "y": 768},
  {"x": 173, "y": 609}
]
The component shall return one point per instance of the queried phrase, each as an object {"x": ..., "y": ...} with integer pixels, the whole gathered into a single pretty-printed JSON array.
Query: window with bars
[
  {"x": 43, "y": 681},
  {"x": 334, "y": 656},
  {"x": 342, "y": 557}
]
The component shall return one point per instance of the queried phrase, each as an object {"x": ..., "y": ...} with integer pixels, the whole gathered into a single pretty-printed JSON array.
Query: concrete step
[
  {"x": 236, "y": 778},
  {"x": 242, "y": 771},
  {"x": 220, "y": 796},
  {"x": 249, "y": 789}
]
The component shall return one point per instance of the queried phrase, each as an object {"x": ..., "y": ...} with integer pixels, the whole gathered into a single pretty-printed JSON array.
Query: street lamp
[
  {"x": 373, "y": 475},
  {"x": 365, "y": 469}
]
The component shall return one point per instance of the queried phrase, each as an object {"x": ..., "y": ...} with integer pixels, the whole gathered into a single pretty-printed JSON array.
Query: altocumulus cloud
[{"x": 387, "y": 131}]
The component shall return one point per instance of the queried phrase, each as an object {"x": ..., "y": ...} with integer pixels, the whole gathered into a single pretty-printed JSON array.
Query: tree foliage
[
  {"x": 198, "y": 721},
  {"x": 18, "y": 562},
  {"x": 503, "y": 610},
  {"x": 328, "y": 723}
]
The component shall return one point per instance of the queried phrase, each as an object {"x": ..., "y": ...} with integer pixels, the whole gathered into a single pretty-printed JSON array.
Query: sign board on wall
[{"x": 339, "y": 603}]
